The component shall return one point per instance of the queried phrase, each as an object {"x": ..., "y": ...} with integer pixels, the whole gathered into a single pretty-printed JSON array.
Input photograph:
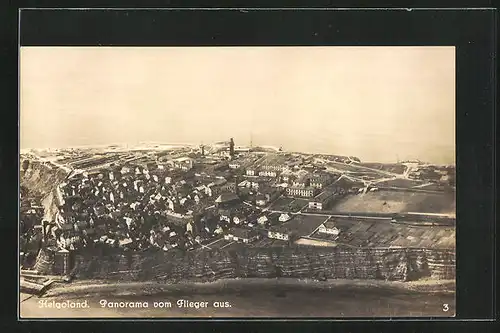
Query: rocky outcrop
[
  {"x": 45, "y": 262},
  {"x": 42, "y": 180}
]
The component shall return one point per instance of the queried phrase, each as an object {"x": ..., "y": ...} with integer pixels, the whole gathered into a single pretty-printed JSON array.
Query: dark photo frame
[{"x": 470, "y": 31}]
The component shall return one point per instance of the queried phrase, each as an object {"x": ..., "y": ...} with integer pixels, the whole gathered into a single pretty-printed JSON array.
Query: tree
[{"x": 292, "y": 237}]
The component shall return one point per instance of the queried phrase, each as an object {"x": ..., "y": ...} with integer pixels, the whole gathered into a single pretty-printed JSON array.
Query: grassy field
[
  {"x": 397, "y": 202},
  {"x": 376, "y": 233},
  {"x": 394, "y": 168},
  {"x": 298, "y": 204},
  {"x": 403, "y": 183},
  {"x": 281, "y": 203}
]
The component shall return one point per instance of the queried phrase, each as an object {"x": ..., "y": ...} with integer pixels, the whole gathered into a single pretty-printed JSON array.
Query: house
[
  {"x": 276, "y": 233},
  {"x": 284, "y": 218},
  {"x": 124, "y": 170},
  {"x": 294, "y": 228},
  {"x": 225, "y": 215},
  {"x": 228, "y": 187},
  {"x": 241, "y": 149},
  {"x": 262, "y": 220},
  {"x": 125, "y": 241},
  {"x": 287, "y": 177},
  {"x": 268, "y": 173},
  {"x": 244, "y": 183},
  {"x": 301, "y": 182},
  {"x": 320, "y": 180},
  {"x": 251, "y": 172},
  {"x": 329, "y": 228},
  {"x": 242, "y": 235},
  {"x": 239, "y": 219},
  {"x": 322, "y": 201},
  {"x": 305, "y": 192},
  {"x": 183, "y": 163},
  {"x": 234, "y": 165},
  {"x": 253, "y": 185},
  {"x": 261, "y": 200},
  {"x": 227, "y": 199},
  {"x": 210, "y": 224},
  {"x": 179, "y": 219},
  {"x": 274, "y": 163}
]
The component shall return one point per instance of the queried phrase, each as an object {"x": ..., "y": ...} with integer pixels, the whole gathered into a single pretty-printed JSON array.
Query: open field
[
  {"x": 345, "y": 167},
  {"x": 281, "y": 203},
  {"x": 402, "y": 183},
  {"x": 366, "y": 175},
  {"x": 269, "y": 242},
  {"x": 379, "y": 233},
  {"x": 298, "y": 204},
  {"x": 394, "y": 168},
  {"x": 289, "y": 204},
  {"x": 314, "y": 242},
  {"x": 397, "y": 202}
]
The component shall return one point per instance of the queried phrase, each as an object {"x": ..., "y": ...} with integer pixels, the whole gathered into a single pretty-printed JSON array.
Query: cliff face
[
  {"x": 174, "y": 266},
  {"x": 42, "y": 180},
  {"x": 386, "y": 264}
]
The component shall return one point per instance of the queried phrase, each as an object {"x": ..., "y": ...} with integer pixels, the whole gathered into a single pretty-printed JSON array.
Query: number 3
[{"x": 445, "y": 307}]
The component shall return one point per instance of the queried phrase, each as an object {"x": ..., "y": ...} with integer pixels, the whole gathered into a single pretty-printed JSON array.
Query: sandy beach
[{"x": 245, "y": 298}]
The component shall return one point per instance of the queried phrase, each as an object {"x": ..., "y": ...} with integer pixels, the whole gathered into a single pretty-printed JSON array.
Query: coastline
[
  {"x": 147, "y": 288},
  {"x": 263, "y": 298}
]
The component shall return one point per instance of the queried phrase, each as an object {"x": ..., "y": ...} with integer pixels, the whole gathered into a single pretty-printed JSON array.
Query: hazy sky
[{"x": 376, "y": 103}]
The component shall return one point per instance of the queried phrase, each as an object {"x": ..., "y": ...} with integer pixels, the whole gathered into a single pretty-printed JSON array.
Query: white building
[
  {"x": 284, "y": 217},
  {"x": 321, "y": 202},
  {"x": 277, "y": 235},
  {"x": 251, "y": 172},
  {"x": 262, "y": 220},
  {"x": 329, "y": 228},
  {"x": 241, "y": 235},
  {"x": 268, "y": 173},
  {"x": 307, "y": 192},
  {"x": 183, "y": 163}
]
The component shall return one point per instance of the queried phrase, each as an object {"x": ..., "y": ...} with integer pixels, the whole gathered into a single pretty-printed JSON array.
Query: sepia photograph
[{"x": 237, "y": 182}]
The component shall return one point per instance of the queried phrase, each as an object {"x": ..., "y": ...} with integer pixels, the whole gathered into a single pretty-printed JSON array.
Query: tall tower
[{"x": 231, "y": 147}]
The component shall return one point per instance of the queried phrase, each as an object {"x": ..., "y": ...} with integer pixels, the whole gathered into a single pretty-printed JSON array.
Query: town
[{"x": 226, "y": 197}]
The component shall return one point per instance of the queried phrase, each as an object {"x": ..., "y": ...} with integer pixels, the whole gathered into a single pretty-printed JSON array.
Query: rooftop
[
  {"x": 183, "y": 159},
  {"x": 227, "y": 197},
  {"x": 301, "y": 188},
  {"x": 242, "y": 232},
  {"x": 301, "y": 224}
]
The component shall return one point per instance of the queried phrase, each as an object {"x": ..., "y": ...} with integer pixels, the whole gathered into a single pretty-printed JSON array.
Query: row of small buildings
[{"x": 287, "y": 229}]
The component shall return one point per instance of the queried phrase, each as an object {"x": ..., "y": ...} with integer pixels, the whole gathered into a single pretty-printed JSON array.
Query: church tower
[{"x": 231, "y": 147}]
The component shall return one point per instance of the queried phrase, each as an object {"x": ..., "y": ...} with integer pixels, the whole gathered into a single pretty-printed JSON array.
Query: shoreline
[
  {"x": 149, "y": 288},
  {"x": 245, "y": 298}
]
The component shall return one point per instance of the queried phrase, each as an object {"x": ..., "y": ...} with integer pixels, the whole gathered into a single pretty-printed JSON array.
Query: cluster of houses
[
  {"x": 175, "y": 203},
  {"x": 440, "y": 175},
  {"x": 136, "y": 206},
  {"x": 123, "y": 206}
]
